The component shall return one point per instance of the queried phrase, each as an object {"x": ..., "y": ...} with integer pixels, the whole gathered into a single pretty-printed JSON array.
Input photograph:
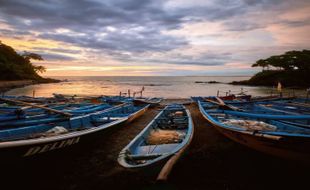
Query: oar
[
  {"x": 222, "y": 104},
  {"x": 37, "y": 106}
]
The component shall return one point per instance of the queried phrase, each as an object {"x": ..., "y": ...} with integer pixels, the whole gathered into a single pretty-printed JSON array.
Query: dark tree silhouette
[
  {"x": 16, "y": 67},
  {"x": 291, "y": 60},
  {"x": 291, "y": 69}
]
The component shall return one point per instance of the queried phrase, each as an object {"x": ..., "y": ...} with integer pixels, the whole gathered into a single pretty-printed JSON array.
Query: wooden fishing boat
[
  {"x": 33, "y": 140},
  {"x": 152, "y": 101},
  {"x": 262, "y": 132},
  {"x": 168, "y": 134}
]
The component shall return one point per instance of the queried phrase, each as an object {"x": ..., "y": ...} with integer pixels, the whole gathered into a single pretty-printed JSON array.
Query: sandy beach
[{"x": 211, "y": 162}]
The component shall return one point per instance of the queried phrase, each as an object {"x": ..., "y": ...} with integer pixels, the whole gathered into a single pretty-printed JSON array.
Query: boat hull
[
  {"x": 292, "y": 148},
  {"x": 288, "y": 148},
  {"x": 62, "y": 144},
  {"x": 55, "y": 146}
]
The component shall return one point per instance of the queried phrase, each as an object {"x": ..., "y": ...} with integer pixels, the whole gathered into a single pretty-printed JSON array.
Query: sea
[{"x": 154, "y": 86}]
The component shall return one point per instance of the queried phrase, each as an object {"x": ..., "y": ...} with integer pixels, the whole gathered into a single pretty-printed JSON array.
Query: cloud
[
  {"x": 197, "y": 32},
  {"x": 51, "y": 57},
  {"x": 57, "y": 50}
]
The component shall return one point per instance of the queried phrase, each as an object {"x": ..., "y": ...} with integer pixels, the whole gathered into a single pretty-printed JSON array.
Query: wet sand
[{"x": 211, "y": 162}]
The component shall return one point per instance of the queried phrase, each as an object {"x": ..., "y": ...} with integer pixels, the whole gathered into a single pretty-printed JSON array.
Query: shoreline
[
  {"x": 5, "y": 86},
  {"x": 9, "y": 85}
]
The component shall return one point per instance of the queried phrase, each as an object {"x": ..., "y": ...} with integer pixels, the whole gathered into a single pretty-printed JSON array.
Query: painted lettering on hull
[{"x": 51, "y": 146}]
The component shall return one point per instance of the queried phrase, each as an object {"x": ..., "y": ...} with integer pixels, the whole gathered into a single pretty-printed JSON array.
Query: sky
[{"x": 154, "y": 37}]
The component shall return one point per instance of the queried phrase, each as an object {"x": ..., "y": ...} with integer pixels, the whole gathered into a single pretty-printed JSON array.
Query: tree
[
  {"x": 34, "y": 56},
  {"x": 14, "y": 66},
  {"x": 261, "y": 63},
  {"x": 291, "y": 60},
  {"x": 40, "y": 69}
]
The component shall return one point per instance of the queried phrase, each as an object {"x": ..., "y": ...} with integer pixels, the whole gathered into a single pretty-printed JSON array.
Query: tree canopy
[
  {"x": 14, "y": 66},
  {"x": 291, "y": 60}
]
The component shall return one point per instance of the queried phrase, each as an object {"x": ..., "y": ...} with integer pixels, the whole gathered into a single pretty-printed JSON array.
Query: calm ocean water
[{"x": 155, "y": 86}]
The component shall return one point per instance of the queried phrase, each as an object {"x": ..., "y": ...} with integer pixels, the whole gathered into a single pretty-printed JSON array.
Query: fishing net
[
  {"x": 164, "y": 137},
  {"x": 52, "y": 132},
  {"x": 57, "y": 130},
  {"x": 250, "y": 125}
]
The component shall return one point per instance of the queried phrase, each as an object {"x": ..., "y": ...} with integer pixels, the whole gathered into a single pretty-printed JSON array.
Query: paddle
[{"x": 37, "y": 106}]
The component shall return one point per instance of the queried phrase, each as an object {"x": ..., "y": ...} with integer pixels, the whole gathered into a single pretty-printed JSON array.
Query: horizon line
[{"x": 150, "y": 76}]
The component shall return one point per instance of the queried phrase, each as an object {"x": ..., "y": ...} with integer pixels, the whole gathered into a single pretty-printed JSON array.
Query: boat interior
[{"x": 164, "y": 135}]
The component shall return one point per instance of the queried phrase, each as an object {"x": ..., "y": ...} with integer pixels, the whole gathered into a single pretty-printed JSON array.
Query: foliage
[
  {"x": 291, "y": 60},
  {"x": 17, "y": 67}
]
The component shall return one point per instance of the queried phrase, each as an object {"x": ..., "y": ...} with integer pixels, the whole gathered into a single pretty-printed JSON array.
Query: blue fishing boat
[
  {"x": 263, "y": 132},
  {"x": 32, "y": 140},
  {"x": 167, "y": 135}
]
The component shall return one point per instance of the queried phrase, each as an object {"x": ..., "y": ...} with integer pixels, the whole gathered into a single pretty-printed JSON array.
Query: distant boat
[
  {"x": 37, "y": 139},
  {"x": 116, "y": 99},
  {"x": 168, "y": 134},
  {"x": 152, "y": 101},
  {"x": 263, "y": 132},
  {"x": 242, "y": 97}
]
